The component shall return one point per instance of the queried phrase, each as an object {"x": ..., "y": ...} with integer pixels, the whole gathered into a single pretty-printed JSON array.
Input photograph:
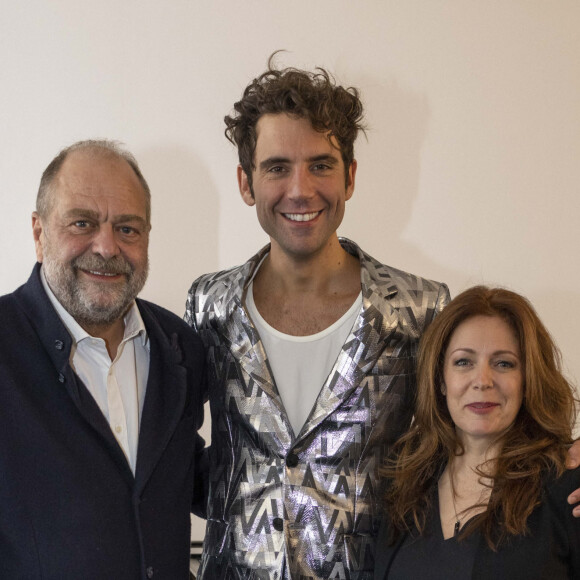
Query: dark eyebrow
[
  {"x": 327, "y": 158},
  {"x": 272, "y": 161}
]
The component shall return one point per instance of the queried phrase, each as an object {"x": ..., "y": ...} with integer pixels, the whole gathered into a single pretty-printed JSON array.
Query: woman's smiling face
[{"x": 483, "y": 378}]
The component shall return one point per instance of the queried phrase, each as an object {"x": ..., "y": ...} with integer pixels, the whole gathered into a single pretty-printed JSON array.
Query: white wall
[{"x": 471, "y": 170}]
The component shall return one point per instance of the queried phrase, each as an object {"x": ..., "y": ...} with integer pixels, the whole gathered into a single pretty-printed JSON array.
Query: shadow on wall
[
  {"x": 185, "y": 217},
  {"x": 388, "y": 177}
]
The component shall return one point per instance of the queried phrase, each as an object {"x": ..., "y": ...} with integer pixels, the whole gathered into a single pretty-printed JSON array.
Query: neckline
[
  {"x": 251, "y": 305},
  {"x": 440, "y": 522}
]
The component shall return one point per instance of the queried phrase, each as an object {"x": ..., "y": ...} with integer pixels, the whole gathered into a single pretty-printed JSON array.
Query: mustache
[{"x": 114, "y": 265}]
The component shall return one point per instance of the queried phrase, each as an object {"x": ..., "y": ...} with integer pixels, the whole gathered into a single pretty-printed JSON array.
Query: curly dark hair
[
  {"x": 310, "y": 95},
  {"x": 534, "y": 446}
]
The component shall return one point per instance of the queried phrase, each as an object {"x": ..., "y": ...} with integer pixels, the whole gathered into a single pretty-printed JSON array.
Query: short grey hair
[{"x": 44, "y": 198}]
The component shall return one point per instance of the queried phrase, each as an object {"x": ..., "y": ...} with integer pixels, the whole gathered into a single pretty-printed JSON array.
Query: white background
[{"x": 470, "y": 172}]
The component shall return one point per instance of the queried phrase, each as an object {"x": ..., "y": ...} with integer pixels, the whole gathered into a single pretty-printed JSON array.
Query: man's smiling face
[
  {"x": 93, "y": 242},
  {"x": 299, "y": 186}
]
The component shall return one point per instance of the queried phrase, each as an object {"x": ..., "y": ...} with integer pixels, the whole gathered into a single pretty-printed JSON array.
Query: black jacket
[{"x": 70, "y": 506}]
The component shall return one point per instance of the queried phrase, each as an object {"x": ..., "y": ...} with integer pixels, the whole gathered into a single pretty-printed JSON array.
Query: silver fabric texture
[{"x": 283, "y": 506}]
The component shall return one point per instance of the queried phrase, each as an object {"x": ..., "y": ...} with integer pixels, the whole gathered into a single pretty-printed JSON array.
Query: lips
[
  {"x": 482, "y": 408},
  {"x": 98, "y": 268},
  {"x": 302, "y": 217}
]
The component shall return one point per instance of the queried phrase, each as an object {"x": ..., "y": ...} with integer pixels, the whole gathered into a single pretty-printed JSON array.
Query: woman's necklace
[
  {"x": 457, "y": 525},
  {"x": 482, "y": 493}
]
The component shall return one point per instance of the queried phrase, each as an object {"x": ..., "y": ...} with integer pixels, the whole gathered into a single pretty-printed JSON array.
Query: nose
[
  {"x": 301, "y": 186},
  {"x": 105, "y": 242},
  {"x": 484, "y": 378}
]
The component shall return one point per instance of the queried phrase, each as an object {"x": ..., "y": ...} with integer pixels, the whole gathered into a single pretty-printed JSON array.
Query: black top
[
  {"x": 550, "y": 551},
  {"x": 431, "y": 555}
]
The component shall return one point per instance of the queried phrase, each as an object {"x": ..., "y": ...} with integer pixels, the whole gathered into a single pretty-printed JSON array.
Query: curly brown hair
[
  {"x": 533, "y": 448},
  {"x": 309, "y": 95}
]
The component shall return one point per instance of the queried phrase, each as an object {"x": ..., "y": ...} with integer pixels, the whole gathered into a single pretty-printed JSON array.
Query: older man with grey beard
[{"x": 99, "y": 394}]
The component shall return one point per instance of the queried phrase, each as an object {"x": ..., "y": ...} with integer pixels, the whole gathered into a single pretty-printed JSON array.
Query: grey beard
[{"x": 83, "y": 302}]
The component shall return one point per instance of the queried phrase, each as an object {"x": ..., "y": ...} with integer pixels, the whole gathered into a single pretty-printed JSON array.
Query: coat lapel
[
  {"x": 165, "y": 397},
  {"x": 243, "y": 341},
  {"x": 375, "y": 325},
  {"x": 58, "y": 343}
]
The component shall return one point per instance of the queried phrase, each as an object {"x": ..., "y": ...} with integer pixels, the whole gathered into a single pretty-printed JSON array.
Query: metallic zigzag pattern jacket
[{"x": 286, "y": 507}]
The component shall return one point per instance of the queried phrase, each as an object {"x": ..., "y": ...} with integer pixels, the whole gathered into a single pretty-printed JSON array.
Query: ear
[
  {"x": 444, "y": 390},
  {"x": 245, "y": 189},
  {"x": 350, "y": 179},
  {"x": 38, "y": 235}
]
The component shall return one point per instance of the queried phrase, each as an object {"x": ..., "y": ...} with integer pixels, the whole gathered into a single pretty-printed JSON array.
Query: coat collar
[
  {"x": 376, "y": 322},
  {"x": 166, "y": 386},
  {"x": 165, "y": 397},
  {"x": 243, "y": 341}
]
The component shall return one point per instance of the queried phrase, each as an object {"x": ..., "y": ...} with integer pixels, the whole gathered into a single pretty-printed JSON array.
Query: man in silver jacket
[{"x": 311, "y": 349}]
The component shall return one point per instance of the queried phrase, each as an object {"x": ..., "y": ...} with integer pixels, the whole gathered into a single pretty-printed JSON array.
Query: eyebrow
[
  {"x": 326, "y": 157},
  {"x": 93, "y": 215},
  {"x": 494, "y": 353},
  {"x": 129, "y": 217},
  {"x": 78, "y": 212},
  {"x": 273, "y": 161}
]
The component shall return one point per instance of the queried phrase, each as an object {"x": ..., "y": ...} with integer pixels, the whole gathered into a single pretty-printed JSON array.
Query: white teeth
[
  {"x": 101, "y": 273},
  {"x": 301, "y": 217}
]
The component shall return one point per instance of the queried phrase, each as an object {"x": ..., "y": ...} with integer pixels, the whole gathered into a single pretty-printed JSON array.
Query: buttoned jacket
[
  {"x": 305, "y": 505},
  {"x": 70, "y": 506}
]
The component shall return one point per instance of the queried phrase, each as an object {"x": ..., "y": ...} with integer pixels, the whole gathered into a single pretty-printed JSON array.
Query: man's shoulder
[
  {"x": 389, "y": 278},
  {"x": 408, "y": 280},
  {"x": 167, "y": 319},
  {"x": 26, "y": 296},
  {"x": 163, "y": 325},
  {"x": 27, "y": 314},
  {"x": 7, "y": 301},
  {"x": 232, "y": 279},
  {"x": 12, "y": 315},
  {"x": 210, "y": 282}
]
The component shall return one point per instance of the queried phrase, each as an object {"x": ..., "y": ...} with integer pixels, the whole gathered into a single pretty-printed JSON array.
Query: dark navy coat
[{"x": 70, "y": 506}]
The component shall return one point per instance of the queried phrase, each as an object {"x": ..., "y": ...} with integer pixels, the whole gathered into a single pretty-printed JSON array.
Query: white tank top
[{"x": 301, "y": 364}]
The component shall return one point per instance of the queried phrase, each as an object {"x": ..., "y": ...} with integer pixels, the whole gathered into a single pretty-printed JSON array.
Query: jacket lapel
[
  {"x": 58, "y": 343},
  {"x": 243, "y": 341},
  {"x": 375, "y": 325},
  {"x": 165, "y": 397}
]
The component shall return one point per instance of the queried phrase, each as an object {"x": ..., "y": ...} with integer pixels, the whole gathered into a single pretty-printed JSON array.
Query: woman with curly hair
[{"x": 478, "y": 486}]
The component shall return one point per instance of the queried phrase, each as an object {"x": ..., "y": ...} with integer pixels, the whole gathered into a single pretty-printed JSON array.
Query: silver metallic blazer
[{"x": 308, "y": 505}]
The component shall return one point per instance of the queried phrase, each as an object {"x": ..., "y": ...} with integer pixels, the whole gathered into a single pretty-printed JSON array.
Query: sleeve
[
  {"x": 201, "y": 480},
  {"x": 567, "y": 527},
  {"x": 190, "y": 311},
  {"x": 443, "y": 298}
]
